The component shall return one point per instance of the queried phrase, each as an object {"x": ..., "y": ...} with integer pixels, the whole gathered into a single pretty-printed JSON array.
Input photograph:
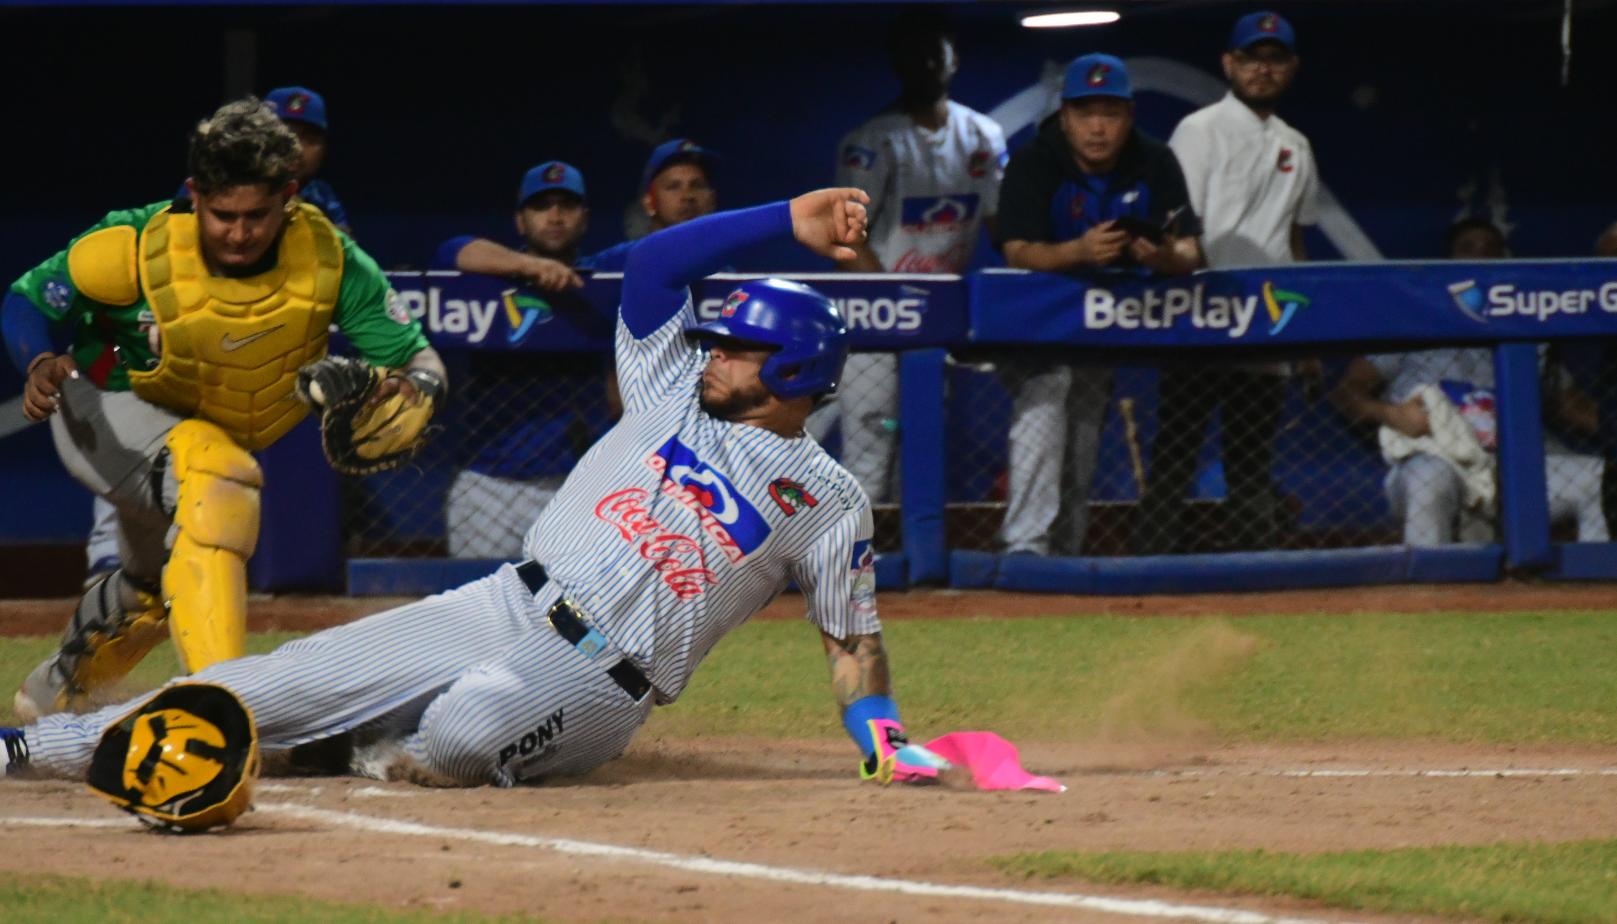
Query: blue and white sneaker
[{"x": 16, "y": 749}]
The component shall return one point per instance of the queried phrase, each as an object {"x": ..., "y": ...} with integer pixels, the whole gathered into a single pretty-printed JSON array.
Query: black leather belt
[{"x": 570, "y": 626}]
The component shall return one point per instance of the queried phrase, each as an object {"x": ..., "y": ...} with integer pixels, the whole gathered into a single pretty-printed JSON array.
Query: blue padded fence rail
[{"x": 1223, "y": 573}]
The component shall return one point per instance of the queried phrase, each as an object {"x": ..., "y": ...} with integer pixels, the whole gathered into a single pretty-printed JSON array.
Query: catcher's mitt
[{"x": 360, "y": 437}]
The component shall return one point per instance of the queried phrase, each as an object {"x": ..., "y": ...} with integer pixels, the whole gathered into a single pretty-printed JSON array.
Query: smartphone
[{"x": 1139, "y": 227}]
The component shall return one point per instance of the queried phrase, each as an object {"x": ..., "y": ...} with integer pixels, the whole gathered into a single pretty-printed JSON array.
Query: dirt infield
[
  {"x": 303, "y": 614},
  {"x": 742, "y": 830},
  {"x": 794, "y": 807}
]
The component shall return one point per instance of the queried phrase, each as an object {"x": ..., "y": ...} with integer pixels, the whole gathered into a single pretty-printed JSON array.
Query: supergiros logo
[{"x": 1504, "y": 300}]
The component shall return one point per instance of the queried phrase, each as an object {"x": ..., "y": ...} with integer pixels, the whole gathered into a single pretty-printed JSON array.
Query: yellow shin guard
[
  {"x": 108, "y": 636},
  {"x": 216, "y": 514},
  {"x": 109, "y": 658}
]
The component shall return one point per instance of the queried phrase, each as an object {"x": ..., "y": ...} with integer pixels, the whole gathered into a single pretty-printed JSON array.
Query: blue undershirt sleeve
[
  {"x": 444, "y": 257},
  {"x": 26, "y": 330},
  {"x": 662, "y": 265}
]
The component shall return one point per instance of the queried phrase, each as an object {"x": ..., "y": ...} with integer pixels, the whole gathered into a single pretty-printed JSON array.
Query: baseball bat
[{"x": 1131, "y": 433}]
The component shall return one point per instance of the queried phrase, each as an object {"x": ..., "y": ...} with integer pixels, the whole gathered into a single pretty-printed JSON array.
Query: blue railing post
[
  {"x": 1524, "y": 508},
  {"x": 922, "y": 457}
]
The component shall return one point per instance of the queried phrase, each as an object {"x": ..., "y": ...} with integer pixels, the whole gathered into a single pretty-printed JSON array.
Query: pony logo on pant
[{"x": 725, "y": 513}]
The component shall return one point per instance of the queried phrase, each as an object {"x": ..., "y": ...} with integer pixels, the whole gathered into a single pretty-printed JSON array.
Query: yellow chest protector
[{"x": 231, "y": 348}]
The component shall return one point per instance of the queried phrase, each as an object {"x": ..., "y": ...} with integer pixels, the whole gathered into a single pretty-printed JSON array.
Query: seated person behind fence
[
  {"x": 1436, "y": 411},
  {"x": 1059, "y": 208},
  {"x": 304, "y": 111},
  {"x": 526, "y": 428},
  {"x": 675, "y": 187}
]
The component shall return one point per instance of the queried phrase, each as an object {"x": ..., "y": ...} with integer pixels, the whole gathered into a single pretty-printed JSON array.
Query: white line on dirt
[{"x": 1149, "y": 908}]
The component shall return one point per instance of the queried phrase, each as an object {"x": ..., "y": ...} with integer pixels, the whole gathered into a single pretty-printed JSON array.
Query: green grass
[
  {"x": 1494, "y": 678},
  {"x": 1570, "y": 883},
  {"x": 1517, "y": 678},
  {"x": 75, "y": 900}
]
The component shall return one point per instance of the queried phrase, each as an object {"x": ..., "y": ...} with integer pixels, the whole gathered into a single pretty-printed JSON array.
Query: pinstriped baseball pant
[{"x": 505, "y": 698}]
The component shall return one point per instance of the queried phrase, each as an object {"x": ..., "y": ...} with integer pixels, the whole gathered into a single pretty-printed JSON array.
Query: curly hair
[{"x": 242, "y": 143}]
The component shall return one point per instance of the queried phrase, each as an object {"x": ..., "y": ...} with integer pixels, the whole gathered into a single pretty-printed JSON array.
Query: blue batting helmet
[{"x": 805, "y": 325}]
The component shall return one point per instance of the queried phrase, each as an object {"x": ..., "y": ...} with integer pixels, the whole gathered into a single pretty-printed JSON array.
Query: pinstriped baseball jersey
[{"x": 676, "y": 526}]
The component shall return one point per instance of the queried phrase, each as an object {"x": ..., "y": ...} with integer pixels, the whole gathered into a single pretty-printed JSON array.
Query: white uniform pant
[
  {"x": 1056, "y": 415},
  {"x": 1426, "y": 493},
  {"x": 488, "y": 516},
  {"x": 501, "y": 697},
  {"x": 867, "y": 407}
]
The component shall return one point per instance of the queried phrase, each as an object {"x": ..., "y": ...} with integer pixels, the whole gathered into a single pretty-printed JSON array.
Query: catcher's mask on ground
[{"x": 184, "y": 761}]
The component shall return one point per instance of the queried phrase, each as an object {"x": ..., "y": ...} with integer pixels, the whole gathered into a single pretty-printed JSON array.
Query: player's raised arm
[{"x": 826, "y": 221}]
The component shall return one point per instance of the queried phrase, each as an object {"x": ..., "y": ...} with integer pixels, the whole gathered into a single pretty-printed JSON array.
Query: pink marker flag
[{"x": 992, "y": 760}]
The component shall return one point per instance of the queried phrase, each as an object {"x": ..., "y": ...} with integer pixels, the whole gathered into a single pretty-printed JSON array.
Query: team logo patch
[
  {"x": 296, "y": 103},
  {"x": 396, "y": 308},
  {"x": 1283, "y": 163},
  {"x": 938, "y": 213},
  {"x": 1479, "y": 409},
  {"x": 977, "y": 166},
  {"x": 523, "y": 312},
  {"x": 1097, "y": 75},
  {"x": 1269, "y": 24},
  {"x": 863, "y": 597},
  {"x": 1282, "y": 306},
  {"x": 858, "y": 157},
  {"x": 726, "y": 515},
  {"x": 58, "y": 295},
  {"x": 555, "y": 173},
  {"x": 1076, "y": 207},
  {"x": 790, "y": 495},
  {"x": 1468, "y": 298},
  {"x": 688, "y": 145},
  {"x": 735, "y": 300}
]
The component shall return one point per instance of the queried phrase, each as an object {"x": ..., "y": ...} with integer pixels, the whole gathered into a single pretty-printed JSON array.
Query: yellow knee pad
[{"x": 216, "y": 516}]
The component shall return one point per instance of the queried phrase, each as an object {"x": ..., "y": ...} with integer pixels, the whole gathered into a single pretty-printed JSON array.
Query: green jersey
[{"x": 368, "y": 312}]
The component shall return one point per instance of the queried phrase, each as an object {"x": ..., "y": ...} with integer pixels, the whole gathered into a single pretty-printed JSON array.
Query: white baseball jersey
[
  {"x": 1250, "y": 179},
  {"x": 676, "y": 526},
  {"x": 929, "y": 191}
]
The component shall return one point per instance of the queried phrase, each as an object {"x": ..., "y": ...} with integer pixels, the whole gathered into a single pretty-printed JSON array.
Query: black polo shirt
[{"x": 1046, "y": 198}]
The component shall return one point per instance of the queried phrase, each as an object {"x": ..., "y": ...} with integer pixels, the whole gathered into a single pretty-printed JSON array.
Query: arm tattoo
[{"x": 858, "y": 667}]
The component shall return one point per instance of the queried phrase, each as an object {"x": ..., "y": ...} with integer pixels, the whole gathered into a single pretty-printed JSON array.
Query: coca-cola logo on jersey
[{"x": 676, "y": 558}]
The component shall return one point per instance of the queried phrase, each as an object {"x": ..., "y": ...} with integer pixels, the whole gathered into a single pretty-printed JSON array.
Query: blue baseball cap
[
  {"x": 298, "y": 104},
  {"x": 552, "y": 174},
  {"x": 1097, "y": 75},
  {"x": 679, "y": 150},
  {"x": 1262, "y": 27}
]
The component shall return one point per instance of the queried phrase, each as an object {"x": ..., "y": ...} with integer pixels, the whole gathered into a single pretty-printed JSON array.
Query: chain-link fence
[
  {"x": 514, "y": 426},
  {"x": 1048, "y": 454},
  {"x": 1055, "y": 455}
]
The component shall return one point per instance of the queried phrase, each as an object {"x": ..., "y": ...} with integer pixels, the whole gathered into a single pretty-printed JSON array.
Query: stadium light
[{"x": 1070, "y": 18}]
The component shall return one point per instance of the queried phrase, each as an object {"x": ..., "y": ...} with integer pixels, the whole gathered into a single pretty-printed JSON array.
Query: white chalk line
[{"x": 1145, "y": 908}]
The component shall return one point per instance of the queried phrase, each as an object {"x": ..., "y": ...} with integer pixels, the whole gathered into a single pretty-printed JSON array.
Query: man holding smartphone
[
  {"x": 1253, "y": 179},
  {"x": 1090, "y": 193}
]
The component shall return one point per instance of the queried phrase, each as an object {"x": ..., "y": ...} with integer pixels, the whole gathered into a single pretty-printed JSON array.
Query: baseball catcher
[{"x": 196, "y": 327}]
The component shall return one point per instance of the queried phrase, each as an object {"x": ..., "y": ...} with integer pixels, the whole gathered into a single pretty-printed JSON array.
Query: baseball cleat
[{"x": 16, "y": 749}]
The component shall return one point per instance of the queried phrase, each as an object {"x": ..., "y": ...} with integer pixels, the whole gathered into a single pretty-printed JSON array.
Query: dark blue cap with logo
[
  {"x": 677, "y": 151},
  {"x": 1262, "y": 27},
  {"x": 552, "y": 174},
  {"x": 1097, "y": 75},
  {"x": 298, "y": 104}
]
